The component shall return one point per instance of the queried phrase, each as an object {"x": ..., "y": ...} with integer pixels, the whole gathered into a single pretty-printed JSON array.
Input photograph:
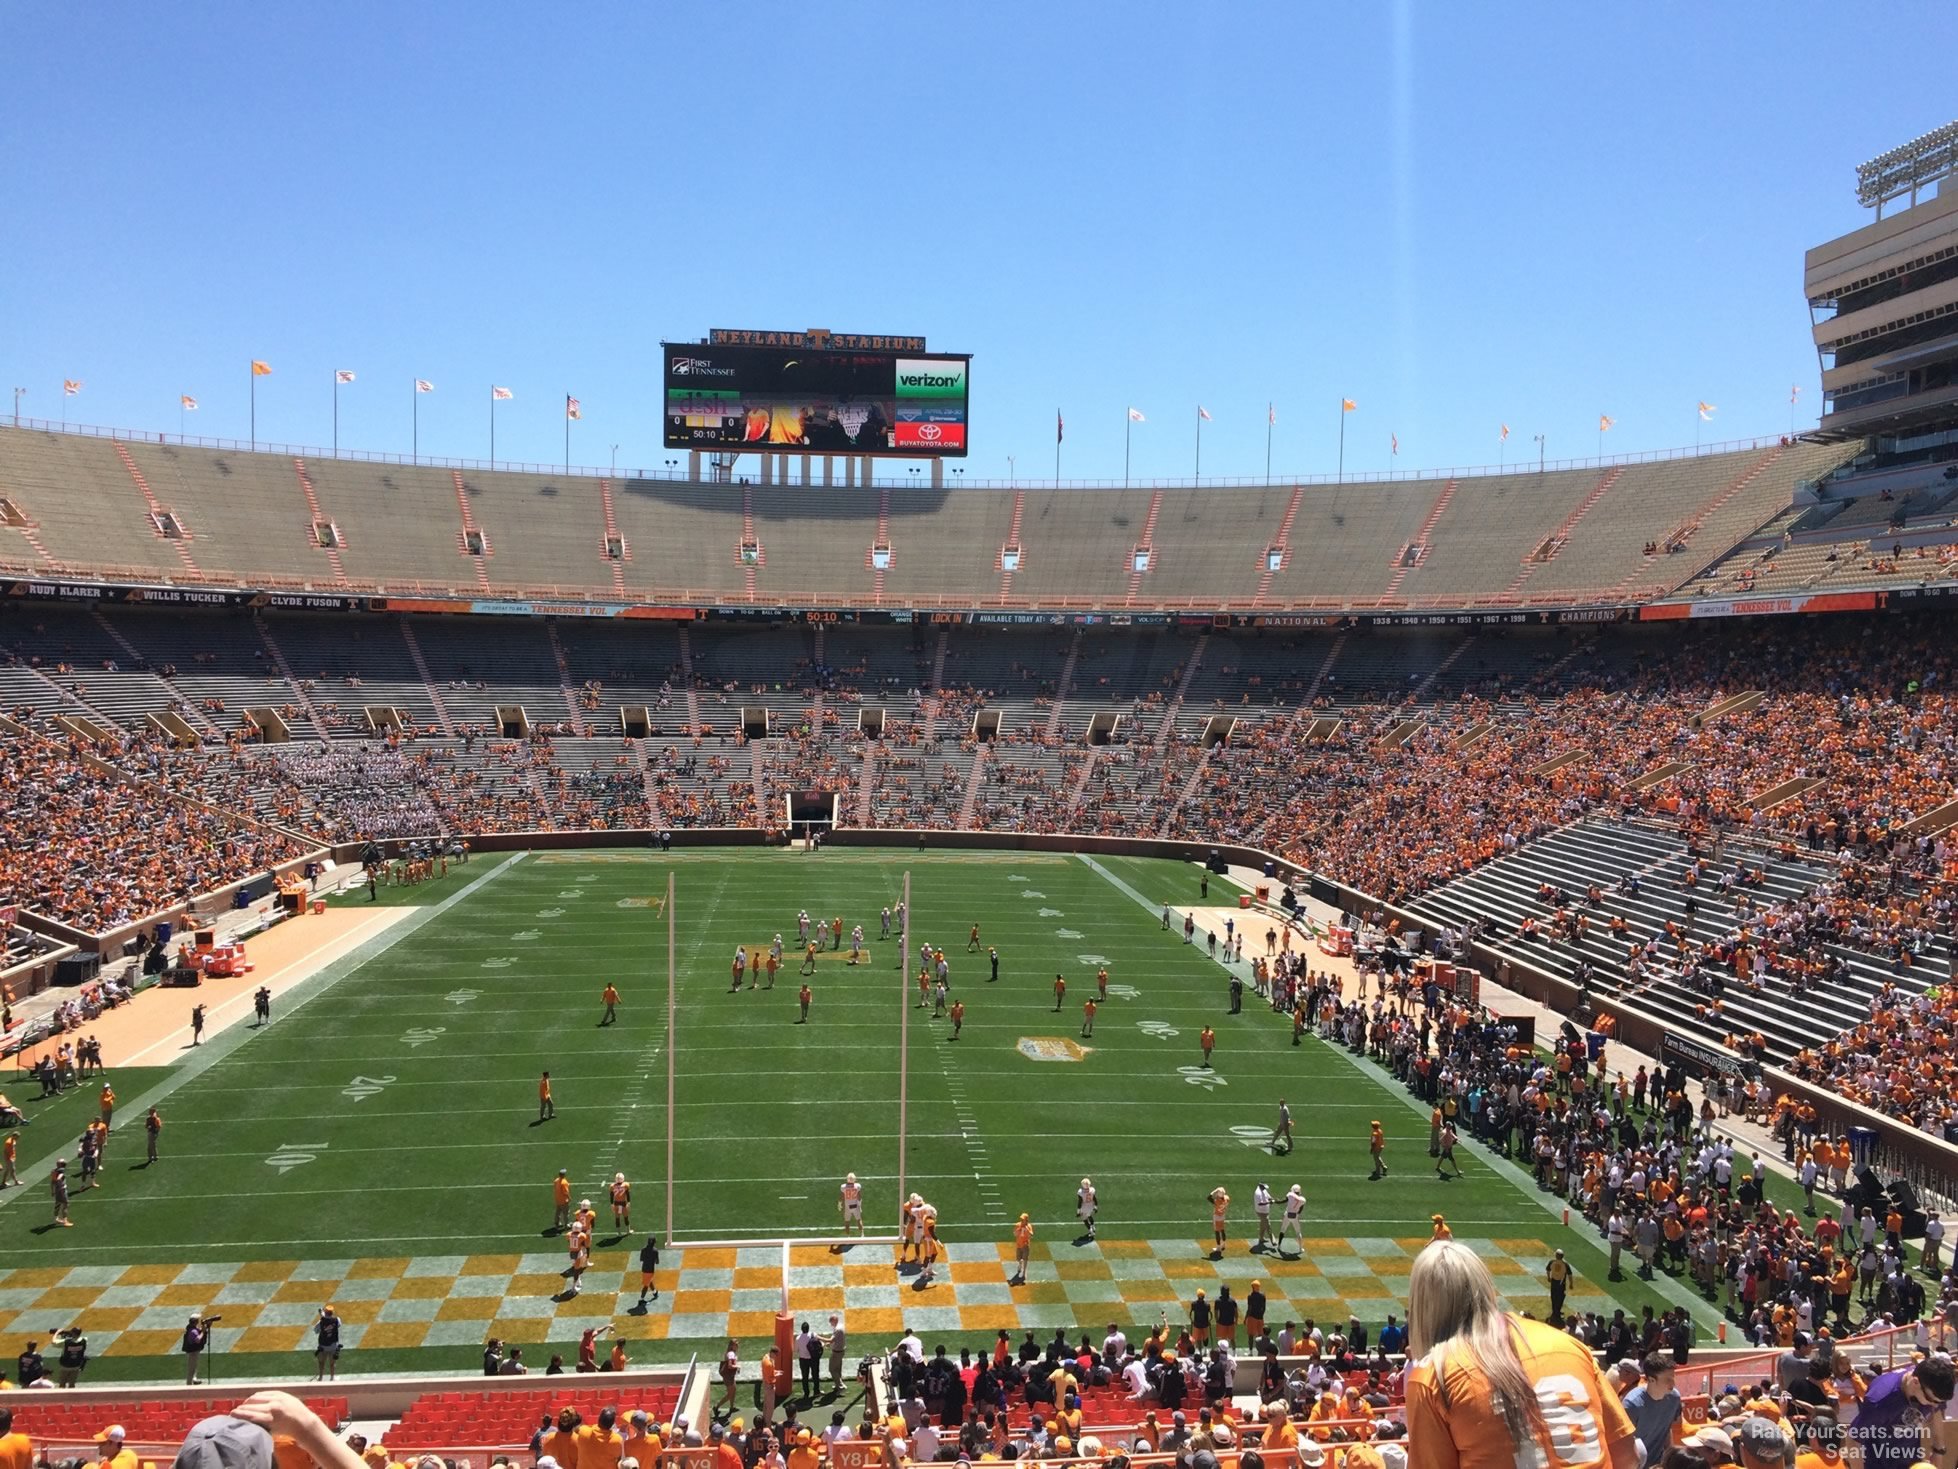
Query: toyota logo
[{"x": 930, "y": 432}]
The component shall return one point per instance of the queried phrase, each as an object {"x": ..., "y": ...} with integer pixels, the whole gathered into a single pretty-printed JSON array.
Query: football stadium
[{"x": 851, "y": 964}]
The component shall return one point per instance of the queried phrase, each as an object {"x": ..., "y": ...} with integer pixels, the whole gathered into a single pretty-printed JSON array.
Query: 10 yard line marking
[{"x": 975, "y": 1146}]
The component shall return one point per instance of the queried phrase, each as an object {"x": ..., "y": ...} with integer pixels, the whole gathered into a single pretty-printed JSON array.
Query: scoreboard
[{"x": 766, "y": 399}]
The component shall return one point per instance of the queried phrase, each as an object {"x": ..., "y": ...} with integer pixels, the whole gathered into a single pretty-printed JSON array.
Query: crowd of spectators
[{"x": 91, "y": 848}]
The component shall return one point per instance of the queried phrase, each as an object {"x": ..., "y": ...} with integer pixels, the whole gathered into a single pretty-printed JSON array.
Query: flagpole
[
  {"x": 1341, "y": 475},
  {"x": 1199, "y": 473},
  {"x": 492, "y": 426},
  {"x": 1128, "y": 431},
  {"x": 336, "y": 413},
  {"x": 415, "y": 399},
  {"x": 254, "y": 377},
  {"x": 1059, "y": 433},
  {"x": 1270, "y": 418},
  {"x": 567, "y": 433}
]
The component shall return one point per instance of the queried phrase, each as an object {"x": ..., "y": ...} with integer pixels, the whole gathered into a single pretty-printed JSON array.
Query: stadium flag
[
  {"x": 1135, "y": 416},
  {"x": 1503, "y": 437},
  {"x": 70, "y": 386},
  {"x": 423, "y": 385},
  {"x": 1347, "y": 405},
  {"x": 1707, "y": 410},
  {"x": 1271, "y": 415},
  {"x": 1394, "y": 443},
  {"x": 261, "y": 368},
  {"x": 1794, "y": 392},
  {"x": 1605, "y": 423},
  {"x": 186, "y": 402},
  {"x": 1060, "y": 426},
  {"x": 572, "y": 407},
  {"x": 1204, "y": 413},
  {"x": 342, "y": 376},
  {"x": 501, "y": 395}
]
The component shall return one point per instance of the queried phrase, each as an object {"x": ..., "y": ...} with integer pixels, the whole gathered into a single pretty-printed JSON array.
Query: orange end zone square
[
  {"x": 264, "y": 1270},
  {"x": 263, "y": 1339},
  {"x": 753, "y": 1278},
  {"x": 147, "y": 1344},
  {"x": 377, "y": 1269},
  {"x": 492, "y": 1265},
  {"x": 394, "y": 1334},
  {"x": 695, "y": 1258}
]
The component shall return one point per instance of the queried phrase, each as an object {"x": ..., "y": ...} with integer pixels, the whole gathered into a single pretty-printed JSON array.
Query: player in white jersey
[
  {"x": 1087, "y": 1205},
  {"x": 1294, "y": 1206},
  {"x": 885, "y": 917},
  {"x": 802, "y": 926},
  {"x": 849, "y": 1201}
]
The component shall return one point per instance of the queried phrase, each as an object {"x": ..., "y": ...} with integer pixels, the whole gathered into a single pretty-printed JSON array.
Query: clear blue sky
[{"x": 1458, "y": 215}]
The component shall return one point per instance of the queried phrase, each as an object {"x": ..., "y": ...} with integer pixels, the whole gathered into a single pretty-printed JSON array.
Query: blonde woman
[{"x": 1490, "y": 1390}]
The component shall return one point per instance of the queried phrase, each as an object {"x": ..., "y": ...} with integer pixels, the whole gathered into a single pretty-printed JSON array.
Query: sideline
[
  {"x": 1662, "y": 1284},
  {"x": 228, "y": 1040}
]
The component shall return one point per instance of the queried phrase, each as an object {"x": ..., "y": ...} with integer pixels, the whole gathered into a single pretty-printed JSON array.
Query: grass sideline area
[{"x": 379, "y": 1145}]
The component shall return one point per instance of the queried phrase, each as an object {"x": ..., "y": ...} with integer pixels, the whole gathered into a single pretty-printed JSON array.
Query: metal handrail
[{"x": 902, "y": 480}]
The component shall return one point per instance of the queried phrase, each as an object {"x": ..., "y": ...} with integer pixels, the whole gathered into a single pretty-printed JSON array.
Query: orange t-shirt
[{"x": 1451, "y": 1423}]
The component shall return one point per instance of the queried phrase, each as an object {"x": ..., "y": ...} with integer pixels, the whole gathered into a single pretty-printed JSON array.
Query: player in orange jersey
[
  {"x": 958, "y": 1017},
  {"x": 1377, "y": 1145},
  {"x": 1060, "y": 991},
  {"x": 1022, "y": 1250}
]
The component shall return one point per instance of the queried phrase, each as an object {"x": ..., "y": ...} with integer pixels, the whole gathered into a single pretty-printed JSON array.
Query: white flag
[
  {"x": 1203, "y": 413},
  {"x": 423, "y": 385},
  {"x": 343, "y": 376},
  {"x": 70, "y": 386},
  {"x": 500, "y": 394},
  {"x": 1135, "y": 416},
  {"x": 1707, "y": 410},
  {"x": 188, "y": 403}
]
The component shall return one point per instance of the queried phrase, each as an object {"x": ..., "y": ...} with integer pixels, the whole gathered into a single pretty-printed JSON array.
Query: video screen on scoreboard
[{"x": 763, "y": 399}]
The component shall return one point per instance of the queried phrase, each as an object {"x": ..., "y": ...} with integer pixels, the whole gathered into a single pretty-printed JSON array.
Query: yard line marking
[
  {"x": 227, "y": 1042},
  {"x": 1519, "y": 1178}
]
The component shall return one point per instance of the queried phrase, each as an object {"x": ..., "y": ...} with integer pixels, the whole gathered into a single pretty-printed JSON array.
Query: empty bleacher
[
  {"x": 1605, "y": 852},
  {"x": 484, "y": 1419}
]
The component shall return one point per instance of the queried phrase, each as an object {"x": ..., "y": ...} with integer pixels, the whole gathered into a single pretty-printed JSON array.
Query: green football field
[{"x": 379, "y": 1145}]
